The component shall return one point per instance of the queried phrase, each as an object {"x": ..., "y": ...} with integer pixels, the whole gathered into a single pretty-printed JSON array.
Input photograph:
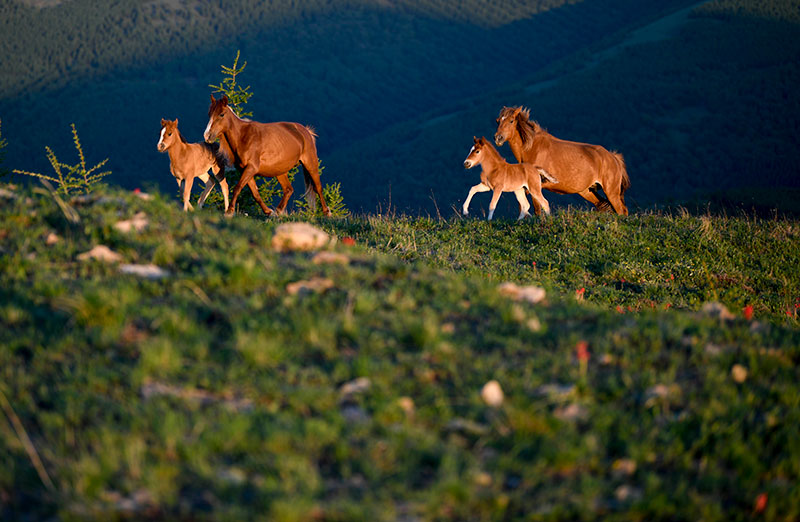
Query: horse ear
[
  {"x": 213, "y": 99},
  {"x": 517, "y": 111},
  {"x": 163, "y": 122},
  {"x": 224, "y": 99},
  {"x": 176, "y": 122},
  {"x": 474, "y": 139}
]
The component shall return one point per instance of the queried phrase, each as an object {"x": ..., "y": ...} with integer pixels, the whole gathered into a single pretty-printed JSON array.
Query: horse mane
[
  {"x": 488, "y": 144},
  {"x": 183, "y": 139},
  {"x": 526, "y": 127}
]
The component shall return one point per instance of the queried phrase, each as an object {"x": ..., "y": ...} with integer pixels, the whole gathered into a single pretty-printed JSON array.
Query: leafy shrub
[{"x": 71, "y": 179}]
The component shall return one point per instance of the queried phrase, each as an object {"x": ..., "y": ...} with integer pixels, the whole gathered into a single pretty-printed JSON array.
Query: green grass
[
  {"x": 646, "y": 261},
  {"x": 213, "y": 395}
]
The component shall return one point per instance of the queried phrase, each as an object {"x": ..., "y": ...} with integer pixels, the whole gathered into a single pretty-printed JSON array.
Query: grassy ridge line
[
  {"x": 211, "y": 394},
  {"x": 644, "y": 261}
]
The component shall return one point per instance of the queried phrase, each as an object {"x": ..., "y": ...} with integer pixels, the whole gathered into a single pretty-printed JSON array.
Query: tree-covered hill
[
  {"x": 703, "y": 106},
  {"x": 349, "y": 71}
]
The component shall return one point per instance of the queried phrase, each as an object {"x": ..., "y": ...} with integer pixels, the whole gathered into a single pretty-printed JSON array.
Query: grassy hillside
[
  {"x": 212, "y": 393},
  {"x": 703, "y": 107}
]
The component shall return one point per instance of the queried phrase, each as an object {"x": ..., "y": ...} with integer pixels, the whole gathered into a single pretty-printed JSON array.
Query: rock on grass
[
  {"x": 100, "y": 253},
  {"x": 290, "y": 237}
]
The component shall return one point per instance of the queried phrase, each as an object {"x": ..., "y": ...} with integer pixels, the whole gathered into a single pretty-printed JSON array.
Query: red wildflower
[
  {"x": 582, "y": 351},
  {"x": 579, "y": 294},
  {"x": 748, "y": 312},
  {"x": 620, "y": 309},
  {"x": 137, "y": 190},
  {"x": 667, "y": 306},
  {"x": 349, "y": 241},
  {"x": 761, "y": 503}
]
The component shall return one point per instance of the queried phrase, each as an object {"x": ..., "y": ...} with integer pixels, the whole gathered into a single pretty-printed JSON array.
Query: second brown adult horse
[
  {"x": 265, "y": 149},
  {"x": 580, "y": 168}
]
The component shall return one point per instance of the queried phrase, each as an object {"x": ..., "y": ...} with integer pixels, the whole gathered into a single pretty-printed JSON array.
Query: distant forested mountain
[
  {"x": 397, "y": 89},
  {"x": 47, "y": 43},
  {"x": 703, "y": 104}
]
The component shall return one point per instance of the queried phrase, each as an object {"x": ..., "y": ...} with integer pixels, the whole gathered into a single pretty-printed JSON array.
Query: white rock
[
  {"x": 531, "y": 294},
  {"x": 137, "y": 223},
  {"x": 492, "y": 394},
  {"x": 149, "y": 271},
  {"x": 313, "y": 285},
  {"x": 298, "y": 236},
  {"x": 101, "y": 253},
  {"x": 739, "y": 373},
  {"x": 358, "y": 385}
]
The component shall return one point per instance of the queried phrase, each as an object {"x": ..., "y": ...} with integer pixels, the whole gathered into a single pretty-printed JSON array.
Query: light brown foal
[
  {"x": 192, "y": 160},
  {"x": 500, "y": 176}
]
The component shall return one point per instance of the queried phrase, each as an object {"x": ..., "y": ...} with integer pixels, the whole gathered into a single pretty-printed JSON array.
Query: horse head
[
  {"x": 506, "y": 124},
  {"x": 169, "y": 132},
  {"x": 474, "y": 157},
  {"x": 218, "y": 118}
]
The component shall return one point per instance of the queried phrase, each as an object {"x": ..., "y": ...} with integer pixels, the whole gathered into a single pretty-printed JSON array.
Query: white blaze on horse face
[
  {"x": 161, "y": 138},
  {"x": 468, "y": 163},
  {"x": 208, "y": 128}
]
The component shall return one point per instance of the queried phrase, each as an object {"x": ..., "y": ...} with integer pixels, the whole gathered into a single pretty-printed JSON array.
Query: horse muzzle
[
  {"x": 161, "y": 147},
  {"x": 499, "y": 140},
  {"x": 467, "y": 164}
]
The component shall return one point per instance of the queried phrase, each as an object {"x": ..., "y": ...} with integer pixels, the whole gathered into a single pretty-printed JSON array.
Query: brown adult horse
[
  {"x": 580, "y": 168},
  {"x": 266, "y": 149},
  {"x": 192, "y": 160},
  {"x": 501, "y": 176}
]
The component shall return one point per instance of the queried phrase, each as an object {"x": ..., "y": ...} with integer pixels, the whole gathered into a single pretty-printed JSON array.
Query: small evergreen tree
[
  {"x": 237, "y": 95},
  {"x": 71, "y": 179}
]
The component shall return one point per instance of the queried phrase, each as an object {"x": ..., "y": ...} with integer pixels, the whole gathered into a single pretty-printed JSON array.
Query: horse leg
[
  {"x": 283, "y": 179},
  {"x": 539, "y": 198},
  {"x": 480, "y": 187},
  {"x": 247, "y": 174},
  {"x": 617, "y": 202},
  {"x": 599, "y": 204},
  {"x": 493, "y": 202},
  {"x": 186, "y": 189},
  {"x": 313, "y": 183},
  {"x": 523, "y": 203},
  {"x": 218, "y": 178},
  {"x": 223, "y": 185},
  {"x": 537, "y": 208},
  {"x": 209, "y": 185},
  {"x": 257, "y": 196}
]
